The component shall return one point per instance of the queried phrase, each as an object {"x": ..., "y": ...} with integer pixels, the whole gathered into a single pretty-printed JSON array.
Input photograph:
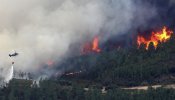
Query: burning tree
[{"x": 155, "y": 37}]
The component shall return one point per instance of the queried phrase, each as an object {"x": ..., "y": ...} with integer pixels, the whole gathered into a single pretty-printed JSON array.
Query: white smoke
[
  {"x": 42, "y": 30},
  {"x": 6, "y": 74}
]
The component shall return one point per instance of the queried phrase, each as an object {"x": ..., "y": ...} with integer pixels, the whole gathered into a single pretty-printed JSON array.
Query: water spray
[{"x": 11, "y": 71}]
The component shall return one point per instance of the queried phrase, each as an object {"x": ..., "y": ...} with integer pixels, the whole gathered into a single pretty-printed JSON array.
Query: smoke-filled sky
[{"x": 43, "y": 30}]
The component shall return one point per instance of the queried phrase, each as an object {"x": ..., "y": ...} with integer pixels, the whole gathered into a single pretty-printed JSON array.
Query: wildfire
[
  {"x": 155, "y": 38},
  {"x": 95, "y": 46},
  {"x": 92, "y": 46},
  {"x": 50, "y": 63}
]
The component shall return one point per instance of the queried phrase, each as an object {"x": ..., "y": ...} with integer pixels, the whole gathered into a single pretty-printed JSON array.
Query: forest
[
  {"x": 55, "y": 90},
  {"x": 123, "y": 67},
  {"x": 126, "y": 66}
]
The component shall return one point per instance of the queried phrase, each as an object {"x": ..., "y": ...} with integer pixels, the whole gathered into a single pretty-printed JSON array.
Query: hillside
[
  {"x": 109, "y": 75},
  {"x": 126, "y": 66}
]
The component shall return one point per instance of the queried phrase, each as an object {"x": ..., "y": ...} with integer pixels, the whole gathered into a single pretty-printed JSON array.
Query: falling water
[{"x": 9, "y": 74}]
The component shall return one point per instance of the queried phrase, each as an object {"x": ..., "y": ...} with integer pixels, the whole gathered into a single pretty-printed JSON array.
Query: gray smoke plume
[{"x": 43, "y": 30}]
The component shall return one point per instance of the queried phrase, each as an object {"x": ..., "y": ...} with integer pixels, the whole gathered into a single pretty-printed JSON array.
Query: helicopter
[{"x": 13, "y": 54}]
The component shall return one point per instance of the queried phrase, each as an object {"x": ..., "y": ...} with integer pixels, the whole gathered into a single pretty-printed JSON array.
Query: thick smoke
[{"x": 43, "y": 30}]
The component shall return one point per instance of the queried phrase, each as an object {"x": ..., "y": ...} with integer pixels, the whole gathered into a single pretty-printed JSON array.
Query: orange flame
[
  {"x": 91, "y": 47},
  {"x": 155, "y": 38},
  {"x": 95, "y": 45}
]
